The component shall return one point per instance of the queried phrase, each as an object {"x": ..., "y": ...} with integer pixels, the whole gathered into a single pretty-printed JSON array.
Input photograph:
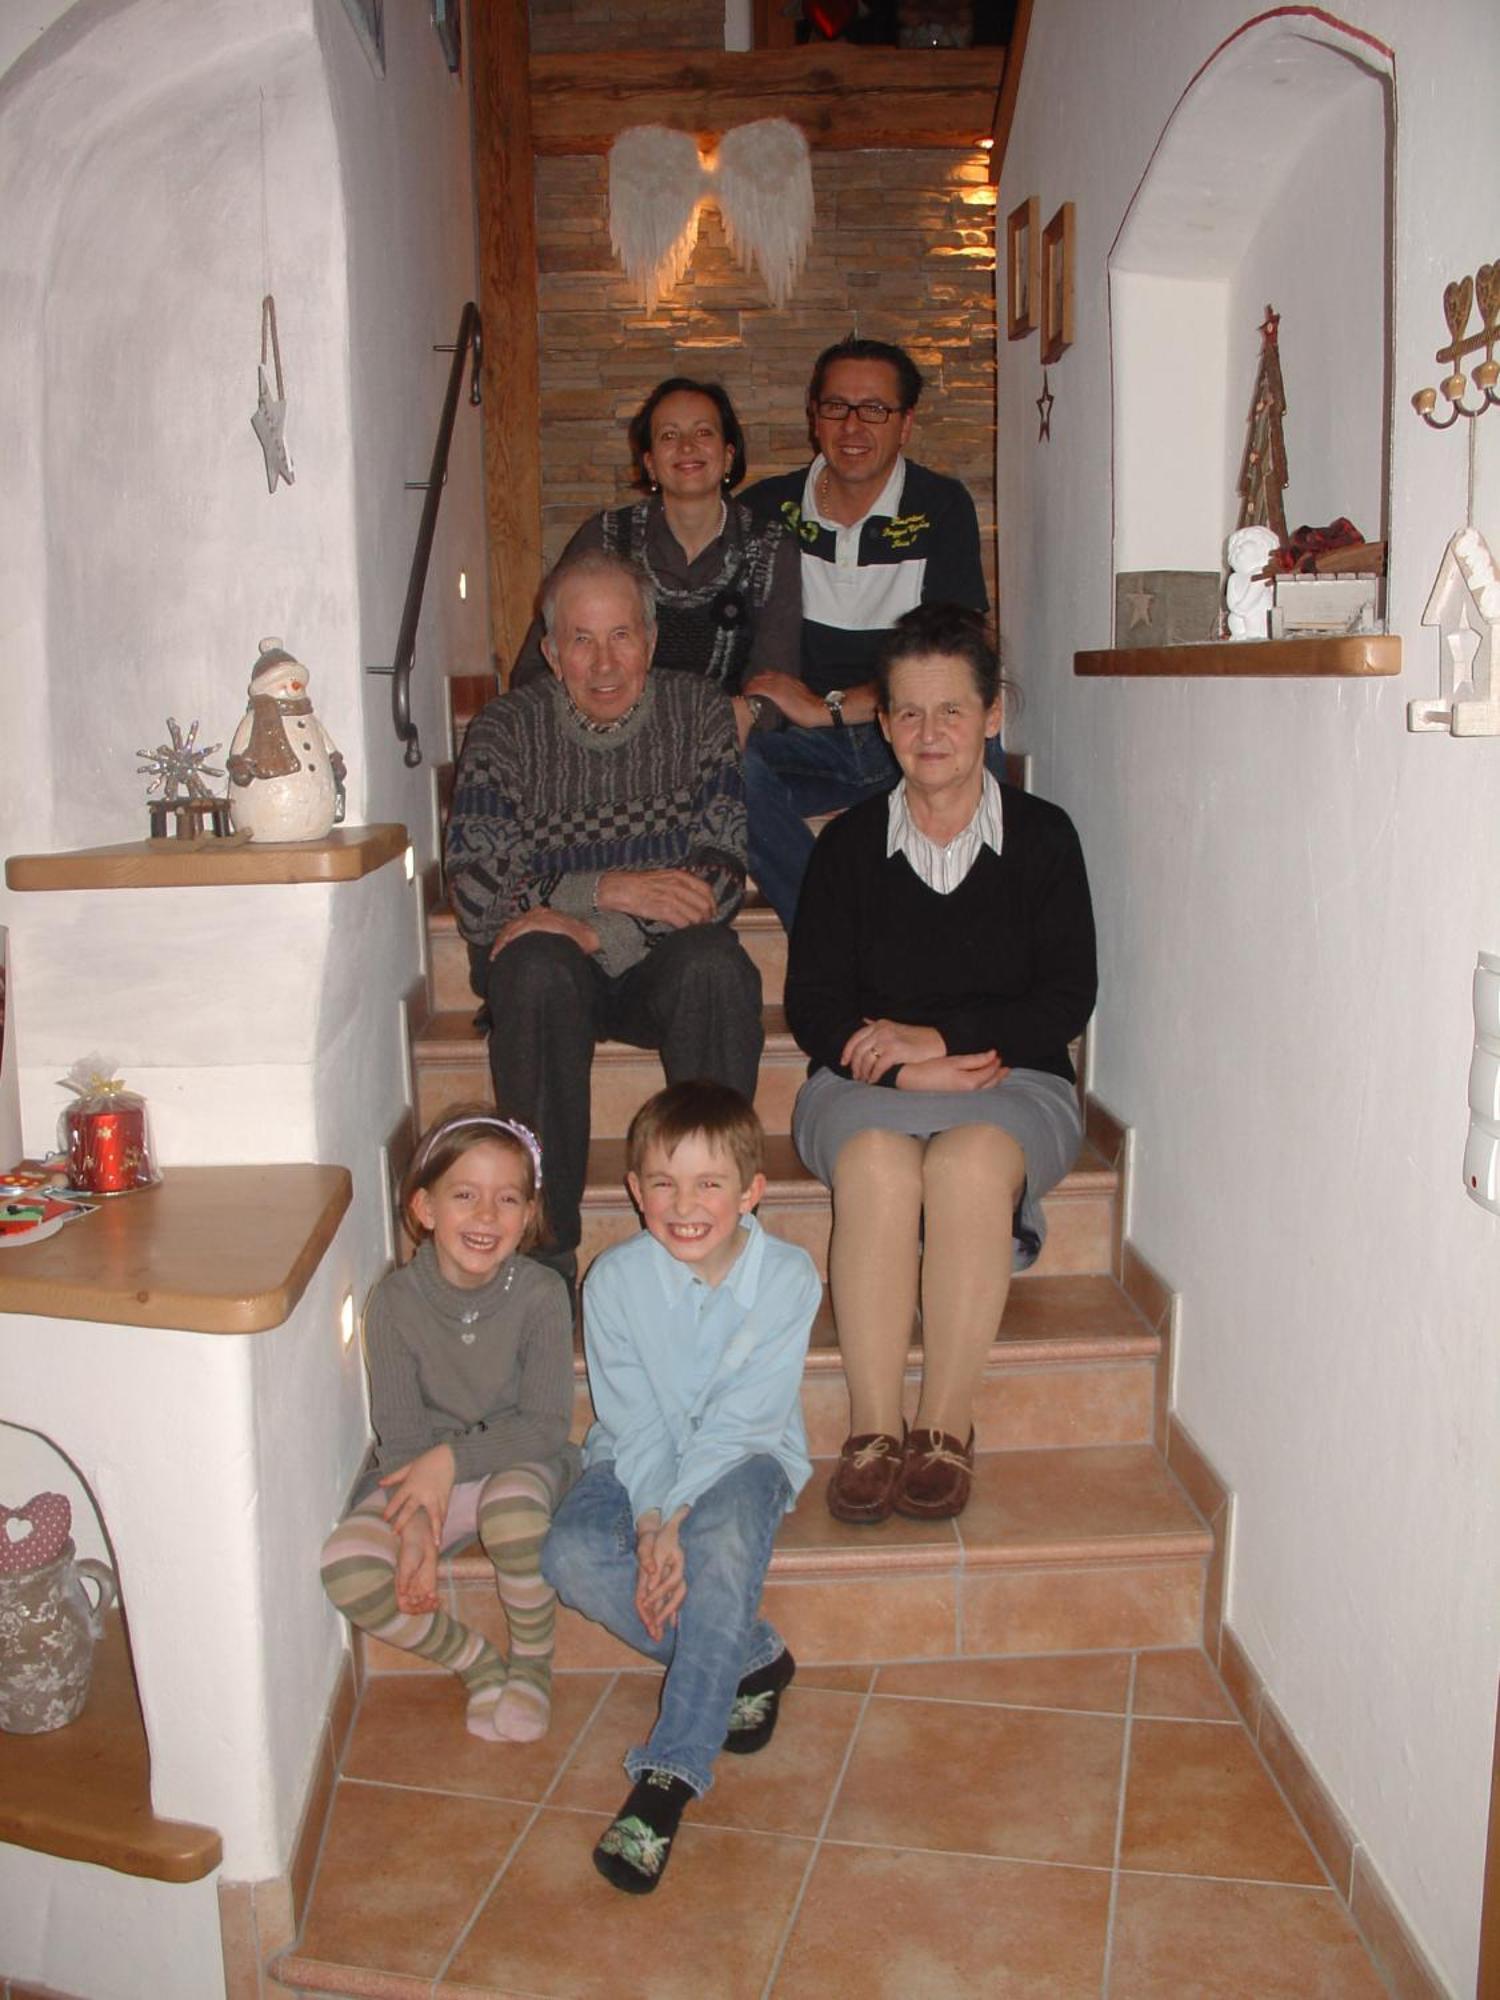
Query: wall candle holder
[{"x": 1458, "y": 304}]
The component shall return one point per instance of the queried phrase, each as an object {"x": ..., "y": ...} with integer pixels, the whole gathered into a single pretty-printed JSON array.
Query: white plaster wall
[
  {"x": 1322, "y": 264},
  {"x": 1291, "y": 891},
  {"x": 141, "y": 558},
  {"x": 1168, "y": 404},
  {"x": 88, "y": 1931},
  {"x": 404, "y": 172}
]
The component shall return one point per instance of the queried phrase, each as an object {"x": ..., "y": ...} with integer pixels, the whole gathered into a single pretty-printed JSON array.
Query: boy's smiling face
[{"x": 692, "y": 1200}]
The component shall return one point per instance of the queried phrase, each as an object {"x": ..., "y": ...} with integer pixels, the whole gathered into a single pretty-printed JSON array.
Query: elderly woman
[
  {"x": 941, "y": 963},
  {"x": 728, "y": 590}
]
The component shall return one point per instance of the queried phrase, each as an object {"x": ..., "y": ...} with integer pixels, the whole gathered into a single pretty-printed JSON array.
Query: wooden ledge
[
  {"x": 838, "y": 95},
  {"x": 1252, "y": 659},
  {"x": 83, "y": 1793},
  {"x": 212, "y": 1250},
  {"x": 343, "y": 856}
]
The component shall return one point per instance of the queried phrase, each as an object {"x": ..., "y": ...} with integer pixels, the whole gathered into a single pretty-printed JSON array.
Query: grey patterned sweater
[
  {"x": 497, "y": 1387},
  {"x": 543, "y": 806}
]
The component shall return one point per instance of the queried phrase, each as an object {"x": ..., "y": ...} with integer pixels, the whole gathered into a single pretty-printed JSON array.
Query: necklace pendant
[{"x": 469, "y": 1338}]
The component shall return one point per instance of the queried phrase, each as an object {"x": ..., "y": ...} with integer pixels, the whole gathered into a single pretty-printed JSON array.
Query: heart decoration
[
  {"x": 34, "y": 1535},
  {"x": 1487, "y": 289},
  {"x": 1458, "y": 299}
]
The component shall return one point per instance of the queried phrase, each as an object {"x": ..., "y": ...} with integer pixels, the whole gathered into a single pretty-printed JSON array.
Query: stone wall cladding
[
  {"x": 567, "y": 26},
  {"x": 904, "y": 249}
]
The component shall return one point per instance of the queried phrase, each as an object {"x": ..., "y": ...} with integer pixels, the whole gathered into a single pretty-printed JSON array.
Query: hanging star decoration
[
  {"x": 179, "y": 765},
  {"x": 269, "y": 421},
  {"x": 1044, "y": 404}
]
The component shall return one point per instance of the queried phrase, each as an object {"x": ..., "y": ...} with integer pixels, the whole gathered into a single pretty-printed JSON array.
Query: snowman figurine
[
  {"x": 286, "y": 778},
  {"x": 1247, "y": 594}
]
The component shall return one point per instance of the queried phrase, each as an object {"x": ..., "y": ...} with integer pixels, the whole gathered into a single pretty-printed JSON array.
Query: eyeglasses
[{"x": 834, "y": 410}]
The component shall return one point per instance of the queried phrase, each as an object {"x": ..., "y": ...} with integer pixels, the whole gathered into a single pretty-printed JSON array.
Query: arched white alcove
[{"x": 1271, "y": 183}]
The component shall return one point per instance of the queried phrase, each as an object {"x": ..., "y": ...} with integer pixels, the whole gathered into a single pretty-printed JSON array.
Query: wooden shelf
[
  {"x": 212, "y": 1250},
  {"x": 342, "y": 856},
  {"x": 1253, "y": 659},
  {"x": 838, "y": 95},
  {"x": 83, "y": 1793}
]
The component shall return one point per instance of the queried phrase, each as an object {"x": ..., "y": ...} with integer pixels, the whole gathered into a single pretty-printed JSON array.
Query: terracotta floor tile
[
  {"x": 1024, "y": 1783},
  {"x": 878, "y": 1924},
  {"x": 709, "y": 1931},
  {"x": 1094, "y": 1682},
  {"x": 845, "y": 1680},
  {"x": 1234, "y": 1941},
  {"x": 1198, "y": 1802},
  {"x": 811, "y": 1526},
  {"x": 411, "y": 1732},
  {"x": 784, "y": 1788},
  {"x": 1180, "y": 1684},
  {"x": 1062, "y": 1498},
  {"x": 401, "y": 1874}
]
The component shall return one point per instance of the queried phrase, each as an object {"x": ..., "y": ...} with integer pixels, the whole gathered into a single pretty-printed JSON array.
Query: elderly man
[
  {"x": 880, "y": 535},
  {"x": 595, "y": 854}
]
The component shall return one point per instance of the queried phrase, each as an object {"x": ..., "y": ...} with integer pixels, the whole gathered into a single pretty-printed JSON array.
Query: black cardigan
[{"x": 1005, "y": 962}]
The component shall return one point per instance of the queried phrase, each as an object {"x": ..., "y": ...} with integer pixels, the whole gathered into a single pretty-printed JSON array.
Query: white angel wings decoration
[{"x": 761, "y": 178}]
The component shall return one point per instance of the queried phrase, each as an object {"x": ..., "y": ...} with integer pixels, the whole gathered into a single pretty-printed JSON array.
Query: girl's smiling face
[{"x": 477, "y": 1211}]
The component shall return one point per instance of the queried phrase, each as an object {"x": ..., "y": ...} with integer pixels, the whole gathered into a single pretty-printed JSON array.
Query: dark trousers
[{"x": 695, "y": 996}]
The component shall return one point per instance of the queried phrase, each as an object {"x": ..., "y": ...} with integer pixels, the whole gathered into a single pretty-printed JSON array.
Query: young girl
[{"x": 470, "y": 1353}]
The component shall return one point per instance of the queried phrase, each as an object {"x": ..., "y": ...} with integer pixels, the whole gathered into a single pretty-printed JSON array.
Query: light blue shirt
[{"x": 688, "y": 1379}]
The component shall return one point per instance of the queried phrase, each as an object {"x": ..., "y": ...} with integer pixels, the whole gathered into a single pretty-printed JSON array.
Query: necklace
[{"x": 470, "y": 1314}]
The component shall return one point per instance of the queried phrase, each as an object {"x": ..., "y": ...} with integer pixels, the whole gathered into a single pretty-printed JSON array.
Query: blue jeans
[
  {"x": 589, "y": 1559},
  {"x": 792, "y": 773}
]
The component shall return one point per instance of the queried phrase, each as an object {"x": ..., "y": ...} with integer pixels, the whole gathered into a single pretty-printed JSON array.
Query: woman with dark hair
[
  {"x": 941, "y": 963},
  {"x": 728, "y": 590}
]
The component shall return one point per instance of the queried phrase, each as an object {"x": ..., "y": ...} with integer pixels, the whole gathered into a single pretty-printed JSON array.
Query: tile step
[
  {"x": 757, "y": 926},
  {"x": 1068, "y": 1550},
  {"x": 1080, "y": 1210},
  {"x": 1073, "y": 1364},
  {"x": 451, "y": 1066}
]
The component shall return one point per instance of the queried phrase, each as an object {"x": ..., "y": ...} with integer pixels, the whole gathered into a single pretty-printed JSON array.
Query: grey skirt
[{"x": 1040, "y": 1112}]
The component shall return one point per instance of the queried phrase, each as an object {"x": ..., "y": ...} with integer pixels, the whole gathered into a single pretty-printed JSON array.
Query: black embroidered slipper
[
  {"x": 633, "y": 1850},
  {"x": 757, "y": 1704}
]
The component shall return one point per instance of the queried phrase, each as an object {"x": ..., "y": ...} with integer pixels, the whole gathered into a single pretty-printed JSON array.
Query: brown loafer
[
  {"x": 936, "y": 1475},
  {"x": 863, "y": 1483}
]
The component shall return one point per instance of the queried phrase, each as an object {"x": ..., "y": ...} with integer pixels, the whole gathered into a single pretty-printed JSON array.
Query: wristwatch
[{"x": 833, "y": 701}]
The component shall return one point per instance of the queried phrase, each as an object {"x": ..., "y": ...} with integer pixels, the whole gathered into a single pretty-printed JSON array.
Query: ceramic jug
[{"x": 48, "y": 1631}]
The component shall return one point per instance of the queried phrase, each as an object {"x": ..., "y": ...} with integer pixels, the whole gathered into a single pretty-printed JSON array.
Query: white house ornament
[
  {"x": 1465, "y": 607},
  {"x": 269, "y": 421},
  {"x": 286, "y": 778}
]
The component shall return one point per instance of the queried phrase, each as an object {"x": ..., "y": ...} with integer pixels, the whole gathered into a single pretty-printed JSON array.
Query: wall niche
[{"x": 1271, "y": 183}]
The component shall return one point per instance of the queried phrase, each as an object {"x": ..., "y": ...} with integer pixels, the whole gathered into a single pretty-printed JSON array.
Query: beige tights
[{"x": 964, "y": 1183}]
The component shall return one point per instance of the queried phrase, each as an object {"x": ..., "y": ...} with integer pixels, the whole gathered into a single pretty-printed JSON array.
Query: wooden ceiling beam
[{"x": 842, "y": 97}]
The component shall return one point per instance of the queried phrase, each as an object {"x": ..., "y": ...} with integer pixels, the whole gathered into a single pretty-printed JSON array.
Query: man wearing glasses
[{"x": 879, "y": 536}]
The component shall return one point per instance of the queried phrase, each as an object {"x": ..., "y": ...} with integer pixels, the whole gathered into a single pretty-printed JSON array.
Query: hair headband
[{"x": 512, "y": 1126}]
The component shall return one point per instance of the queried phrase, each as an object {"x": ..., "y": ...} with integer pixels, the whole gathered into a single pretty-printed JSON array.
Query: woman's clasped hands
[{"x": 921, "y": 1054}]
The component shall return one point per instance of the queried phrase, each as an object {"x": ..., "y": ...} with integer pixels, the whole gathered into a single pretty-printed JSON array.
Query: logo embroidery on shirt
[
  {"x": 791, "y": 513},
  {"x": 903, "y": 529}
]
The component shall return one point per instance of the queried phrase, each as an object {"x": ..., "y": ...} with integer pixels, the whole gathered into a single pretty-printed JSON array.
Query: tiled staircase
[
  {"x": 1050, "y": 1794},
  {"x": 1078, "y": 1536}
]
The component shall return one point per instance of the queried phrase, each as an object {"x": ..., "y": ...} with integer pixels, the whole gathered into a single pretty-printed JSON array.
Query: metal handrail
[{"x": 469, "y": 341}]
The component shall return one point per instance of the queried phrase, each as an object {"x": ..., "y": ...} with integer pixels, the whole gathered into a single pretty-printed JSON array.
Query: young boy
[{"x": 695, "y": 1333}]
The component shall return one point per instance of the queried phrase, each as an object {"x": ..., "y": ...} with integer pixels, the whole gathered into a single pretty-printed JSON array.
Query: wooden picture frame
[
  {"x": 1023, "y": 266},
  {"x": 1057, "y": 284}
]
